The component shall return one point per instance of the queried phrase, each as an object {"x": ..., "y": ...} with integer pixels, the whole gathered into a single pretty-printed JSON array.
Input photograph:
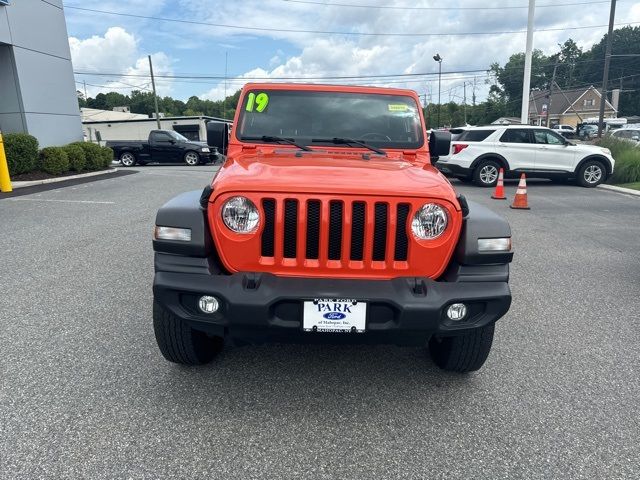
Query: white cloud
[
  {"x": 317, "y": 55},
  {"x": 344, "y": 55},
  {"x": 117, "y": 51}
]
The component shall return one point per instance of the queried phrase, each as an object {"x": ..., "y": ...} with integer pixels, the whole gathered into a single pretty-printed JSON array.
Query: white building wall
[{"x": 138, "y": 130}]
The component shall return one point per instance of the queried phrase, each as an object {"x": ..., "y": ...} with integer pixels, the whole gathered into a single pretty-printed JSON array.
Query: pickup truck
[
  {"x": 163, "y": 146},
  {"x": 328, "y": 223}
]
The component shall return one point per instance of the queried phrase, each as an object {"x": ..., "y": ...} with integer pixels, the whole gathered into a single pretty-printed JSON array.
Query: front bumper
[
  {"x": 259, "y": 307},
  {"x": 210, "y": 157}
]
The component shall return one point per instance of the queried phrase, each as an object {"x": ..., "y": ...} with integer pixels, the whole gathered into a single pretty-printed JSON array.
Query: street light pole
[
  {"x": 605, "y": 75},
  {"x": 438, "y": 59}
]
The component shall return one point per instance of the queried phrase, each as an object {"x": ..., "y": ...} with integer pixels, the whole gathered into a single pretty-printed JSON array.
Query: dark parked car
[{"x": 163, "y": 146}]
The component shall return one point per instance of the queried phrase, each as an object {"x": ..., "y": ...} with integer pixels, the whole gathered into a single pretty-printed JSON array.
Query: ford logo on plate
[{"x": 334, "y": 316}]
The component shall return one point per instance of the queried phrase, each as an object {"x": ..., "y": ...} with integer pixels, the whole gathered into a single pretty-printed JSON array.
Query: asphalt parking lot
[{"x": 85, "y": 393}]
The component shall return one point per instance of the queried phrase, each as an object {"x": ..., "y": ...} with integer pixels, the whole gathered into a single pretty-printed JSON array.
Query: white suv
[{"x": 480, "y": 152}]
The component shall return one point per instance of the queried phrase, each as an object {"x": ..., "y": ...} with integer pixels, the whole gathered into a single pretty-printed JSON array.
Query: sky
[{"x": 276, "y": 39}]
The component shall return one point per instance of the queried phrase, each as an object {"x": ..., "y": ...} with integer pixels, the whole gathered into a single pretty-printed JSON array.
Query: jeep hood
[{"x": 324, "y": 173}]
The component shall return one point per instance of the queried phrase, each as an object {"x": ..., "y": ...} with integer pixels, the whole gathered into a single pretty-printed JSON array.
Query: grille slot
[
  {"x": 313, "y": 229},
  {"x": 357, "y": 231},
  {"x": 290, "y": 228},
  {"x": 402, "y": 241},
  {"x": 380, "y": 232},
  {"x": 335, "y": 230},
  {"x": 268, "y": 233}
]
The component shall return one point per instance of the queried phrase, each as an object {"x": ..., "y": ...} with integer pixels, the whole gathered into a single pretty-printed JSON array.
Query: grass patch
[{"x": 633, "y": 186}]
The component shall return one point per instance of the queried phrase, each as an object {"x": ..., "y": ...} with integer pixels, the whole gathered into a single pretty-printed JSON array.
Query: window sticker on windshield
[
  {"x": 398, "y": 107},
  {"x": 257, "y": 102}
]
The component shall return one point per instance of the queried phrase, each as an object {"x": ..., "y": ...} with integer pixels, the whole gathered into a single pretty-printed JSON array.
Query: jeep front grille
[
  {"x": 346, "y": 237},
  {"x": 334, "y": 236}
]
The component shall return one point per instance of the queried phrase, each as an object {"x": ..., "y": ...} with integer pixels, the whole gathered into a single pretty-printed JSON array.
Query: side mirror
[
  {"x": 172, "y": 141},
  {"x": 218, "y": 135},
  {"x": 439, "y": 145}
]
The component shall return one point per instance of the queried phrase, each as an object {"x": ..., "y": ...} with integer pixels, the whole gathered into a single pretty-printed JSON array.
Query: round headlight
[
  {"x": 429, "y": 222},
  {"x": 240, "y": 215}
]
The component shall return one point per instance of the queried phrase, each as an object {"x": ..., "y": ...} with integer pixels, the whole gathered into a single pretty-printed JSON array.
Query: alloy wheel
[
  {"x": 592, "y": 174},
  {"x": 488, "y": 174},
  {"x": 127, "y": 159},
  {"x": 191, "y": 158}
]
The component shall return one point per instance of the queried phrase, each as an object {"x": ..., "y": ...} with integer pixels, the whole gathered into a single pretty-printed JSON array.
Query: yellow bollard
[{"x": 5, "y": 180}]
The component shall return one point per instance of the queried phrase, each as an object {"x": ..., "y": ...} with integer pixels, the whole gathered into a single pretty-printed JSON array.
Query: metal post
[
  {"x": 607, "y": 62},
  {"x": 553, "y": 81},
  {"x": 155, "y": 96},
  {"x": 5, "y": 180},
  {"x": 526, "y": 84}
]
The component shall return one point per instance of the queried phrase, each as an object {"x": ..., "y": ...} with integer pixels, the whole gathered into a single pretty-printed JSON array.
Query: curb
[
  {"x": 61, "y": 179},
  {"x": 613, "y": 188}
]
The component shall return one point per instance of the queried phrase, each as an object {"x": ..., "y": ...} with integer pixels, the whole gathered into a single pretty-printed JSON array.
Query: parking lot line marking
[{"x": 58, "y": 201}]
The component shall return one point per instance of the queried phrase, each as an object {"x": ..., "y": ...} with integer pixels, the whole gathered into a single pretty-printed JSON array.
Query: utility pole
[
  {"x": 464, "y": 101},
  {"x": 84, "y": 82},
  {"x": 553, "y": 81},
  {"x": 526, "y": 84},
  {"x": 224, "y": 102},
  {"x": 155, "y": 96},
  {"x": 607, "y": 62}
]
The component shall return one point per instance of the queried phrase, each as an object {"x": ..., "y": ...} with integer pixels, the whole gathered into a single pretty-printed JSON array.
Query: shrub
[
  {"x": 107, "y": 156},
  {"x": 22, "y": 152},
  {"x": 77, "y": 157},
  {"x": 93, "y": 155},
  {"x": 54, "y": 160},
  {"x": 627, "y": 157},
  {"x": 627, "y": 168}
]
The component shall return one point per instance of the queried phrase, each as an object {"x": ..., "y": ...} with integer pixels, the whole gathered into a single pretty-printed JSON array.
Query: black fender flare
[
  {"x": 492, "y": 156},
  {"x": 185, "y": 211},
  {"x": 600, "y": 158},
  {"x": 481, "y": 222}
]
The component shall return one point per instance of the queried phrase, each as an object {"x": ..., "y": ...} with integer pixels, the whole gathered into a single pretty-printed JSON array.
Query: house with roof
[{"x": 570, "y": 107}]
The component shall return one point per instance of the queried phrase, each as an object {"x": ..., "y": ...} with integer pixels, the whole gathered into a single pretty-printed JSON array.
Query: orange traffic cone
[
  {"x": 499, "y": 193},
  {"x": 520, "y": 200}
]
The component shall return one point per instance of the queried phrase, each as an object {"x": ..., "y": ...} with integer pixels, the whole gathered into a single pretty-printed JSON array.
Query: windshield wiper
[
  {"x": 347, "y": 141},
  {"x": 274, "y": 139}
]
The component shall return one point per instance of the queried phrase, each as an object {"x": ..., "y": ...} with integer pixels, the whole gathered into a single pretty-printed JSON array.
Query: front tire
[
  {"x": 179, "y": 343},
  {"x": 486, "y": 173},
  {"x": 191, "y": 158},
  {"x": 591, "y": 174},
  {"x": 462, "y": 353},
  {"x": 127, "y": 159}
]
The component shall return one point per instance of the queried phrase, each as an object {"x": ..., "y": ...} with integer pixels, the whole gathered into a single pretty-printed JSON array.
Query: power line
[
  {"x": 331, "y": 77},
  {"x": 448, "y": 8},
  {"x": 330, "y": 32}
]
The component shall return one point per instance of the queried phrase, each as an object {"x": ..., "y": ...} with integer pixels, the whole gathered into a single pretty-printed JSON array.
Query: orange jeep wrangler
[{"x": 329, "y": 223}]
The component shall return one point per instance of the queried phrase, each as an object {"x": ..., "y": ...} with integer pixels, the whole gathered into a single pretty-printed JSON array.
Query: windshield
[{"x": 384, "y": 121}]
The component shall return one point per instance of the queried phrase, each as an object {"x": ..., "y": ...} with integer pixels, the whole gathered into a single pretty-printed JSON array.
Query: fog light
[
  {"x": 208, "y": 304},
  {"x": 457, "y": 311}
]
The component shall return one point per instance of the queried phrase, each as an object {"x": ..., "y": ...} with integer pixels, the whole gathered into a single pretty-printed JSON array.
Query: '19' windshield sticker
[
  {"x": 398, "y": 107},
  {"x": 257, "y": 102}
]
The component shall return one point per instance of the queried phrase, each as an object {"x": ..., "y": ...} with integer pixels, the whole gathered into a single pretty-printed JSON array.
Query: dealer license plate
[{"x": 334, "y": 315}]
